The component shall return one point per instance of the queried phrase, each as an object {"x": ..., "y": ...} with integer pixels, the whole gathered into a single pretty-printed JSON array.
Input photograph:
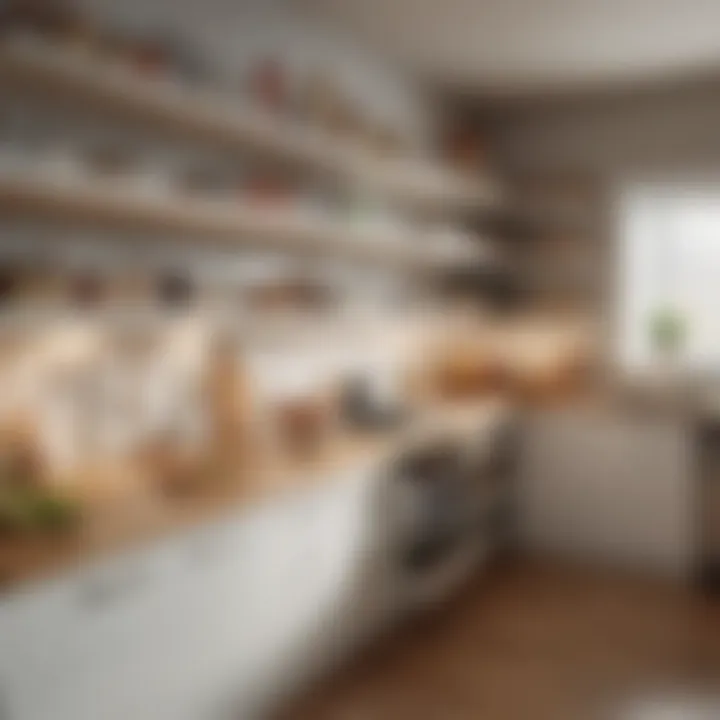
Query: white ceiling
[{"x": 518, "y": 46}]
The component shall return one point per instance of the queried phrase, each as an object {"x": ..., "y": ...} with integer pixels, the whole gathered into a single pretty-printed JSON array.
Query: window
[{"x": 669, "y": 266}]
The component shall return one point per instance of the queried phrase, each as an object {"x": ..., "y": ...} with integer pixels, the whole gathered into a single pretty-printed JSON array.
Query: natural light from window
[{"x": 669, "y": 276}]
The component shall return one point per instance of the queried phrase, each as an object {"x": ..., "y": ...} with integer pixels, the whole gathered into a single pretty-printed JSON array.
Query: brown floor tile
[{"x": 528, "y": 643}]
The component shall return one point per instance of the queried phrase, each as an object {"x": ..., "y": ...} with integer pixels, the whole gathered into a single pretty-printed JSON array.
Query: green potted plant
[{"x": 667, "y": 332}]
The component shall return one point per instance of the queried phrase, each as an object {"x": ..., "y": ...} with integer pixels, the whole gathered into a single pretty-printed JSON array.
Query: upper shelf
[
  {"x": 209, "y": 117},
  {"x": 216, "y": 220}
]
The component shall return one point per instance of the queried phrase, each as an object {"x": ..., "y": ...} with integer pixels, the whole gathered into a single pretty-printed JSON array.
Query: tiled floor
[{"x": 531, "y": 642}]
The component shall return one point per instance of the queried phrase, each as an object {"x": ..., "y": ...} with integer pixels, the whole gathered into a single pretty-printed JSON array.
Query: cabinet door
[
  {"x": 62, "y": 633},
  {"x": 147, "y": 635},
  {"x": 309, "y": 604},
  {"x": 605, "y": 486},
  {"x": 33, "y": 637},
  {"x": 342, "y": 592},
  {"x": 202, "y": 625}
]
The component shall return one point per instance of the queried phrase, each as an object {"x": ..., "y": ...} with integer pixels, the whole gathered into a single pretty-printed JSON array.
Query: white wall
[{"x": 612, "y": 133}]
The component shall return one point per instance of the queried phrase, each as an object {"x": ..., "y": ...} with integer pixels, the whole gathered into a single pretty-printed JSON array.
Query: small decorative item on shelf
[
  {"x": 204, "y": 181},
  {"x": 9, "y": 285},
  {"x": 266, "y": 187},
  {"x": 126, "y": 289},
  {"x": 88, "y": 291},
  {"x": 150, "y": 57},
  {"x": 269, "y": 85},
  {"x": 464, "y": 148},
  {"x": 173, "y": 55},
  {"x": 346, "y": 120},
  {"x": 43, "y": 286},
  {"x": 289, "y": 294},
  {"x": 113, "y": 47},
  {"x": 110, "y": 161},
  {"x": 80, "y": 35},
  {"x": 175, "y": 291},
  {"x": 51, "y": 20},
  {"x": 188, "y": 64}
]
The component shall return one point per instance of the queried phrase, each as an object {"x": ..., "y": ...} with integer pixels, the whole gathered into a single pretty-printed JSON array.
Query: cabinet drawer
[{"x": 57, "y": 634}]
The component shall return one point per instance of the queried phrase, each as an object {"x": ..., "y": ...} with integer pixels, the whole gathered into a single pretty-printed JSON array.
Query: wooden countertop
[{"x": 36, "y": 556}]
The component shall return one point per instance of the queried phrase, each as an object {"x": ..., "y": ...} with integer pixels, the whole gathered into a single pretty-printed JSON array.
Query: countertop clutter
[
  {"x": 31, "y": 555},
  {"x": 247, "y": 430}
]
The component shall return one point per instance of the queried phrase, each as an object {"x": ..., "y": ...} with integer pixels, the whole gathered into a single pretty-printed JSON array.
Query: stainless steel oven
[{"x": 454, "y": 502}]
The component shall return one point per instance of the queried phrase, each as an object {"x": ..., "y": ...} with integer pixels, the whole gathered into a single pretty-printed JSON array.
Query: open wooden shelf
[
  {"x": 209, "y": 117},
  {"x": 239, "y": 224}
]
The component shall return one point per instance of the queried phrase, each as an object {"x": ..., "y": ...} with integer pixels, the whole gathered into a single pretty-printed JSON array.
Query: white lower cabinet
[
  {"x": 202, "y": 626},
  {"x": 99, "y": 643},
  {"x": 601, "y": 485}
]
